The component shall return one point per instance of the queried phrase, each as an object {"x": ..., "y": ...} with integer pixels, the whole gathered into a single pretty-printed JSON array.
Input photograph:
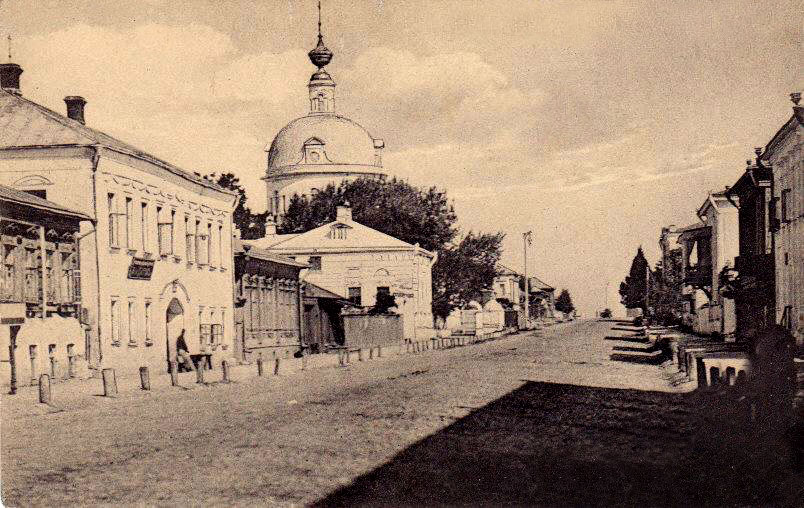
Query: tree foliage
[
  {"x": 413, "y": 215},
  {"x": 664, "y": 294},
  {"x": 634, "y": 289},
  {"x": 251, "y": 225},
  {"x": 564, "y": 302},
  {"x": 392, "y": 206},
  {"x": 464, "y": 270}
]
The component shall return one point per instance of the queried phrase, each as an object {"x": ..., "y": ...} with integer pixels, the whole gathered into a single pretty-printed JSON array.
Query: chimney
[
  {"x": 10, "y": 77},
  {"x": 75, "y": 107},
  {"x": 270, "y": 226},
  {"x": 343, "y": 213}
]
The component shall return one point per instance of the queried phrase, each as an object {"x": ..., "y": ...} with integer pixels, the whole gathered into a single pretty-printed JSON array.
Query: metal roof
[{"x": 23, "y": 198}]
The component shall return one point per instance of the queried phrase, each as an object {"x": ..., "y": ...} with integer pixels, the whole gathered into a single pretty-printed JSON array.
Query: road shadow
[
  {"x": 551, "y": 444},
  {"x": 645, "y": 359}
]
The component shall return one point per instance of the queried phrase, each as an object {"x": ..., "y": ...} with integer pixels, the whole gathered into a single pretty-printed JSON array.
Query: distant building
[
  {"x": 507, "y": 285},
  {"x": 155, "y": 264},
  {"x": 320, "y": 148},
  {"x": 266, "y": 304},
  {"x": 40, "y": 296},
  {"x": 357, "y": 263},
  {"x": 707, "y": 248},
  {"x": 784, "y": 155},
  {"x": 542, "y": 297}
]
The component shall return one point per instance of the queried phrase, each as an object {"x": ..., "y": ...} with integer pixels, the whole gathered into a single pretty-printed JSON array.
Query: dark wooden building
[
  {"x": 753, "y": 284},
  {"x": 267, "y": 303},
  {"x": 323, "y": 324}
]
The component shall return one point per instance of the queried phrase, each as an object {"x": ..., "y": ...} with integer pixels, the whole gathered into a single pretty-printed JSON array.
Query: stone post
[
  {"x": 276, "y": 367},
  {"x": 225, "y": 370},
  {"x": 174, "y": 373},
  {"x": 44, "y": 389},
  {"x": 145, "y": 380},
  {"x": 109, "y": 383}
]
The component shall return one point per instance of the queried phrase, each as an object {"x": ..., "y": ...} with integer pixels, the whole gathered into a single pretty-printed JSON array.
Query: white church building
[{"x": 320, "y": 148}]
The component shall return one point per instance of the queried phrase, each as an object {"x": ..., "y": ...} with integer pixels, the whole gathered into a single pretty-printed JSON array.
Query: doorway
[{"x": 174, "y": 324}]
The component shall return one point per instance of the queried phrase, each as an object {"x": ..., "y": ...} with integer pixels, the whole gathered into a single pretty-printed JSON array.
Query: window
[
  {"x": 130, "y": 321},
  {"x": 210, "y": 251},
  {"x": 148, "y": 340},
  {"x": 786, "y": 205},
  {"x": 204, "y": 329},
  {"x": 315, "y": 263},
  {"x": 200, "y": 244},
  {"x": 129, "y": 222},
  {"x": 144, "y": 226},
  {"x": 217, "y": 334},
  {"x": 220, "y": 246},
  {"x": 114, "y": 235},
  {"x": 66, "y": 280},
  {"x": 354, "y": 295},
  {"x": 9, "y": 272},
  {"x": 188, "y": 240},
  {"x": 165, "y": 230},
  {"x": 115, "y": 322}
]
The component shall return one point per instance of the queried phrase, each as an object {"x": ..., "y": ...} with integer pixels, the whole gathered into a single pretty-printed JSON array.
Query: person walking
[{"x": 182, "y": 352}]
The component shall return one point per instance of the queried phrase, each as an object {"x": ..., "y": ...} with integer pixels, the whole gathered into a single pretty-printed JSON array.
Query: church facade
[{"x": 320, "y": 148}]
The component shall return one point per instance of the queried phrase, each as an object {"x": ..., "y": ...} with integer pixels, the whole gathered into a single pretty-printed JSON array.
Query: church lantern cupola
[{"x": 321, "y": 86}]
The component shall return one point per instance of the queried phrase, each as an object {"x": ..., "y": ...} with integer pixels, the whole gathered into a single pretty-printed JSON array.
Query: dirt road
[{"x": 523, "y": 419}]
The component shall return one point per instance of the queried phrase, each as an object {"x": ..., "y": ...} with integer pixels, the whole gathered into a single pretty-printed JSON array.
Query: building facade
[
  {"x": 266, "y": 304},
  {"x": 40, "y": 296},
  {"x": 357, "y": 262},
  {"x": 320, "y": 148},
  {"x": 160, "y": 248},
  {"x": 784, "y": 155}
]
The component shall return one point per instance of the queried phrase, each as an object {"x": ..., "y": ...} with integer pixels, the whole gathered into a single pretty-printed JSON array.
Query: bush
[{"x": 606, "y": 314}]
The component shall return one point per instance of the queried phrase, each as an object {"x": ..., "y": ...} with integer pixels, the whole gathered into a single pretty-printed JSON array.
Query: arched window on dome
[{"x": 314, "y": 151}]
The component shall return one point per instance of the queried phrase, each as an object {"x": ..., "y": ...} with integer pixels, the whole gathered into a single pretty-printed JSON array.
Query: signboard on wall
[{"x": 140, "y": 269}]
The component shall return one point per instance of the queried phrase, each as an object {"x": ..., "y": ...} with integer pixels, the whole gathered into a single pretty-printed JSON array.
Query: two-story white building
[
  {"x": 157, "y": 263},
  {"x": 357, "y": 262}
]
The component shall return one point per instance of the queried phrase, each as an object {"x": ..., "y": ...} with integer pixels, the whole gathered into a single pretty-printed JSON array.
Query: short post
[
  {"x": 225, "y": 370},
  {"x": 32, "y": 353},
  {"x": 276, "y": 367},
  {"x": 174, "y": 373},
  {"x": 371, "y": 353},
  {"x": 199, "y": 372},
  {"x": 54, "y": 369},
  {"x": 347, "y": 355},
  {"x": 44, "y": 389},
  {"x": 379, "y": 351},
  {"x": 304, "y": 361},
  {"x": 360, "y": 354},
  {"x": 260, "y": 367},
  {"x": 71, "y": 360},
  {"x": 434, "y": 343},
  {"x": 145, "y": 379},
  {"x": 109, "y": 383},
  {"x": 341, "y": 359}
]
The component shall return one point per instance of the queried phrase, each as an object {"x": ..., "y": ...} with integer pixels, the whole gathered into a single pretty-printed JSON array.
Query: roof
[
  {"x": 239, "y": 247},
  {"x": 795, "y": 120},
  {"x": 713, "y": 199},
  {"x": 313, "y": 291},
  {"x": 357, "y": 238},
  {"x": 692, "y": 227},
  {"x": 23, "y": 198},
  {"x": 504, "y": 270},
  {"x": 345, "y": 142},
  {"x": 536, "y": 283},
  {"x": 26, "y": 124}
]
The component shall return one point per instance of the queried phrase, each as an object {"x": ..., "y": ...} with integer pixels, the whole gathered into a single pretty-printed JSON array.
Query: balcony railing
[{"x": 698, "y": 276}]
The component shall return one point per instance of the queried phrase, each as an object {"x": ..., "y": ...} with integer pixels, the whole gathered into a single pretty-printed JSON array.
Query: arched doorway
[{"x": 174, "y": 324}]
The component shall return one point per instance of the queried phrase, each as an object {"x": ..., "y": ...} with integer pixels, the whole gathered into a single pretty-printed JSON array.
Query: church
[{"x": 320, "y": 148}]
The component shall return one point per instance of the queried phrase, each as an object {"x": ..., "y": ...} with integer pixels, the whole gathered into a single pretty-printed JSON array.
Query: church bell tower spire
[{"x": 321, "y": 86}]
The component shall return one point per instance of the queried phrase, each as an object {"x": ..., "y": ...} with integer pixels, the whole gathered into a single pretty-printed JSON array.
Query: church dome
[{"x": 341, "y": 140}]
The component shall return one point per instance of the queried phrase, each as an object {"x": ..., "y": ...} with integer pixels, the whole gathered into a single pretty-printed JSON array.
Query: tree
[
  {"x": 413, "y": 215},
  {"x": 634, "y": 289},
  {"x": 251, "y": 225},
  {"x": 564, "y": 302},
  {"x": 606, "y": 314},
  {"x": 463, "y": 271},
  {"x": 664, "y": 292}
]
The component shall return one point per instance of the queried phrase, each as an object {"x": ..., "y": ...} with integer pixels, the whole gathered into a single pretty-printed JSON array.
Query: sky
[{"x": 593, "y": 124}]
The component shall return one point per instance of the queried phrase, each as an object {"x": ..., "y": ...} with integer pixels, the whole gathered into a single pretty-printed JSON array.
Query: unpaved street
[{"x": 523, "y": 419}]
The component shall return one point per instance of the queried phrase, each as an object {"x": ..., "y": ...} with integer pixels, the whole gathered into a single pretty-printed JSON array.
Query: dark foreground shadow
[
  {"x": 563, "y": 445},
  {"x": 646, "y": 359}
]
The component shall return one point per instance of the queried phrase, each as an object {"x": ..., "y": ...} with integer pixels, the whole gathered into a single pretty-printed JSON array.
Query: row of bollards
[
  {"x": 277, "y": 366},
  {"x": 345, "y": 354}
]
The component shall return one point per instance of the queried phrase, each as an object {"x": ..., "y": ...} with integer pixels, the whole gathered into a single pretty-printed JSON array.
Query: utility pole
[{"x": 527, "y": 239}]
